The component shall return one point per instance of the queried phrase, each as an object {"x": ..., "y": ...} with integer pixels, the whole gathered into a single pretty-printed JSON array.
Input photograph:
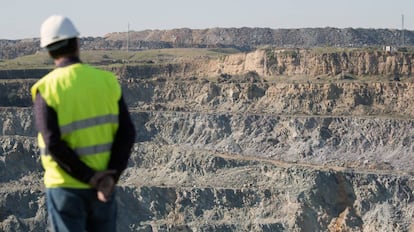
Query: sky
[{"x": 21, "y": 19}]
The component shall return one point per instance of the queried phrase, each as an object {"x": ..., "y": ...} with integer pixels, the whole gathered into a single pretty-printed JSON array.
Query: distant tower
[
  {"x": 402, "y": 31},
  {"x": 127, "y": 47},
  {"x": 128, "y": 39}
]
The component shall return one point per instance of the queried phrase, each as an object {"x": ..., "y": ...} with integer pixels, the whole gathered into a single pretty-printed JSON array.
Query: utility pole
[
  {"x": 127, "y": 46},
  {"x": 402, "y": 31},
  {"x": 128, "y": 39}
]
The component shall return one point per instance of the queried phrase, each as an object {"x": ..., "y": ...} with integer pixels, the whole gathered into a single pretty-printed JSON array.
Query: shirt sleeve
[
  {"x": 123, "y": 142},
  {"x": 47, "y": 124}
]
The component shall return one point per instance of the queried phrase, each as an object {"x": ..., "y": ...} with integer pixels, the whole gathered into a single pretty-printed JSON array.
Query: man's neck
[{"x": 65, "y": 61}]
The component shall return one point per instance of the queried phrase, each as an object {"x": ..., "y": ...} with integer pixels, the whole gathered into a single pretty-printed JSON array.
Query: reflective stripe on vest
[
  {"x": 83, "y": 151},
  {"x": 85, "y": 123}
]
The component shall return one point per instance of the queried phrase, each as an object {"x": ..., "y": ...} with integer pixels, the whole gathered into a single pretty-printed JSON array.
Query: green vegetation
[
  {"x": 39, "y": 60},
  {"x": 119, "y": 57}
]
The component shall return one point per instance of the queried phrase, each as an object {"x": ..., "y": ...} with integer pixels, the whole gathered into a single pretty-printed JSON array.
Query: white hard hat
[{"x": 56, "y": 28}]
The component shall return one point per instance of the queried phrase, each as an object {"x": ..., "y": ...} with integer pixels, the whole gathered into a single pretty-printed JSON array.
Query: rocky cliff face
[
  {"x": 311, "y": 63},
  {"x": 259, "y": 149}
]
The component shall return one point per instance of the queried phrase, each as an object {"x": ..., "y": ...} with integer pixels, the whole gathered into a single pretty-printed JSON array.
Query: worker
[{"x": 85, "y": 134}]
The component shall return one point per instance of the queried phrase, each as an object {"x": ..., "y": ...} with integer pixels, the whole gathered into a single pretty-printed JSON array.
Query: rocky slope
[
  {"x": 311, "y": 63},
  {"x": 242, "y": 144},
  {"x": 244, "y": 39}
]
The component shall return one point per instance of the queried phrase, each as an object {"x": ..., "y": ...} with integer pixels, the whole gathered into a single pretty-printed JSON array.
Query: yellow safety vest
[{"x": 86, "y": 102}]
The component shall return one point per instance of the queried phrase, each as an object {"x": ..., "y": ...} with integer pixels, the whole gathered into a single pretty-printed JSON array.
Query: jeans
[{"x": 78, "y": 210}]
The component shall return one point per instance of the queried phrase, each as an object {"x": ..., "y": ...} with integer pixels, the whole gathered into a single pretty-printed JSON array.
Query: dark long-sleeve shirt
[{"x": 47, "y": 124}]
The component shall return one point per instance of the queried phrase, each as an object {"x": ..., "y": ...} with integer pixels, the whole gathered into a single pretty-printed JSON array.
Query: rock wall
[
  {"x": 307, "y": 65},
  {"x": 240, "y": 154},
  {"x": 271, "y": 62}
]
